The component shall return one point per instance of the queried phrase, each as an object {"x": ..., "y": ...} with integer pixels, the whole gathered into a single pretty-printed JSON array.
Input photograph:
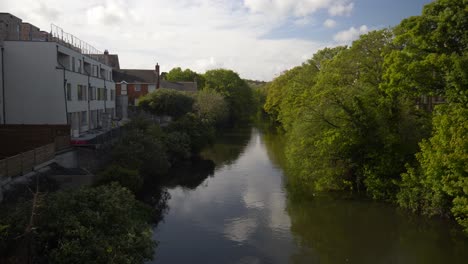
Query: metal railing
[{"x": 57, "y": 34}]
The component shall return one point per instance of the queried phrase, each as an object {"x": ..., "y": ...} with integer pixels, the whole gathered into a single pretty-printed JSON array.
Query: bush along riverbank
[
  {"x": 111, "y": 222},
  {"x": 386, "y": 116}
]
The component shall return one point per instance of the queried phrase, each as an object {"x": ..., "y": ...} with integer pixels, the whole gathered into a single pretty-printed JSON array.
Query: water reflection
[
  {"x": 237, "y": 216},
  {"x": 238, "y": 212},
  {"x": 331, "y": 229}
]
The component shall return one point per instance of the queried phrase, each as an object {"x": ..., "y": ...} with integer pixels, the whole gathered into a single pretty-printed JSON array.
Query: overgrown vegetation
[
  {"x": 359, "y": 117},
  {"x": 92, "y": 225}
]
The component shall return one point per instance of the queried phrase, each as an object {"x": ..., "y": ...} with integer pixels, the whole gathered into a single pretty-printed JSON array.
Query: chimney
[
  {"x": 106, "y": 58},
  {"x": 157, "y": 76}
]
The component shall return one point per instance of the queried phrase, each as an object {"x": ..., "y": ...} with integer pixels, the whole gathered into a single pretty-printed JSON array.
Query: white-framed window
[
  {"x": 137, "y": 87},
  {"x": 80, "y": 63},
  {"x": 95, "y": 71},
  {"x": 83, "y": 118},
  {"x": 81, "y": 92},
  {"x": 92, "y": 92},
  {"x": 69, "y": 92},
  {"x": 123, "y": 89}
]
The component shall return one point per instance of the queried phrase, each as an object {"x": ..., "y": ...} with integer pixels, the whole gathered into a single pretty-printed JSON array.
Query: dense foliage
[
  {"x": 89, "y": 225},
  {"x": 356, "y": 116},
  {"x": 236, "y": 91},
  {"x": 187, "y": 75},
  {"x": 167, "y": 102}
]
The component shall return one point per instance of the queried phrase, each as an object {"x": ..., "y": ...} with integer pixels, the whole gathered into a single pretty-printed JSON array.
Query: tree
[
  {"x": 187, "y": 75},
  {"x": 103, "y": 224},
  {"x": 438, "y": 184},
  {"x": 430, "y": 47},
  {"x": 127, "y": 178},
  {"x": 94, "y": 225},
  {"x": 235, "y": 90},
  {"x": 167, "y": 102},
  {"x": 211, "y": 107},
  {"x": 142, "y": 151}
]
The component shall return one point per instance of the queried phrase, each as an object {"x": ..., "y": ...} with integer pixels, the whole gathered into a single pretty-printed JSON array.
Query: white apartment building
[{"x": 47, "y": 82}]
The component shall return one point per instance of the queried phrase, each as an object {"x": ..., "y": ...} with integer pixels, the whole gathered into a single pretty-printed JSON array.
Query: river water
[{"x": 241, "y": 212}]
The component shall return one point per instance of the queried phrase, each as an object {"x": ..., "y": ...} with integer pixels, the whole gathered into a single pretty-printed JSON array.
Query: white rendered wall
[
  {"x": 33, "y": 93},
  {"x": 35, "y": 84}
]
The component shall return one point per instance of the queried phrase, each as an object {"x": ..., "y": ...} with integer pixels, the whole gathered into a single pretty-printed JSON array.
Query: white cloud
[
  {"x": 196, "y": 34},
  {"x": 302, "y": 21},
  {"x": 329, "y": 23},
  {"x": 299, "y": 7},
  {"x": 341, "y": 9},
  {"x": 350, "y": 34}
]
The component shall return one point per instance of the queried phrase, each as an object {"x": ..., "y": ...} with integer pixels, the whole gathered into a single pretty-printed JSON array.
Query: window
[
  {"x": 84, "y": 118},
  {"x": 92, "y": 93},
  {"x": 137, "y": 87},
  {"x": 69, "y": 118},
  {"x": 95, "y": 71},
  {"x": 123, "y": 89},
  {"x": 151, "y": 88},
  {"x": 81, "y": 92},
  {"x": 79, "y": 66},
  {"x": 69, "y": 92},
  {"x": 73, "y": 64},
  {"x": 102, "y": 94}
]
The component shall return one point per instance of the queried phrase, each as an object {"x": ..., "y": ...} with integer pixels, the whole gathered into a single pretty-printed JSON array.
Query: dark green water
[{"x": 241, "y": 213}]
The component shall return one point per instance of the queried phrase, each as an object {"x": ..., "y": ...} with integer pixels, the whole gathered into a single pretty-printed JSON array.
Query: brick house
[{"x": 131, "y": 84}]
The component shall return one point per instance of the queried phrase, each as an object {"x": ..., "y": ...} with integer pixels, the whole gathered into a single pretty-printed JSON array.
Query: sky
[{"x": 259, "y": 39}]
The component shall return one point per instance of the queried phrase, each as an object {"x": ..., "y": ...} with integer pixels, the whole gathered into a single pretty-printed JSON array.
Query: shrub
[{"x": 127, "y": 178}]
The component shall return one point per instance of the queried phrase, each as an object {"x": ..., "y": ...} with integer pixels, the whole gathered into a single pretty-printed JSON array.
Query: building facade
[
  {"x": 10, "y": 27},
  {"x": 47, "y": 82},
  {"x": 134, "y": 84}
]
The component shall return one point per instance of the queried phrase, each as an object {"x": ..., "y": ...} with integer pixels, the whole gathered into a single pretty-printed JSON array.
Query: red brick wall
[{"x": 131, "y": 91}]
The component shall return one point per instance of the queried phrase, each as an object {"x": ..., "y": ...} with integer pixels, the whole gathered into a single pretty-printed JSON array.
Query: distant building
[
  {"x": 137, "y": 83},
  {"x": 58, "y": 81},
  {"x": 131, "y": 84},
  {"x": 10, "y": 27},
  {"x": 111, "y": 60}
]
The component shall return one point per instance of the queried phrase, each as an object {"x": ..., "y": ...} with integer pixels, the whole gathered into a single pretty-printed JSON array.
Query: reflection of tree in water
[
  {"x": 187, "y": 175},
  {"x": 274, "y": 144},
  {"x": 228, "y": 146},
  {"x": 329, "y": 229}
]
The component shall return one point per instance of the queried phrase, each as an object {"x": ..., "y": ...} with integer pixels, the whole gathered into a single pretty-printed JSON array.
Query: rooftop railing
[{"x": 69, "y": 40}]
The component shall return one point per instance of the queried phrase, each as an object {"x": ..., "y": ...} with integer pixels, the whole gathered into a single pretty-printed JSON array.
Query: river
[{"x": 241, "y": 212}]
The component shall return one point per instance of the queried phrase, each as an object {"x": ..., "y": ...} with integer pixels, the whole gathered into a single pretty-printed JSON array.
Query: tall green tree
[
  {"x": 438, "y": 184},
  {"x": 431, "y": 48},
  {"x": 235, "y": 90},
  {"x": 187, "y": 75},
  {"x": 167, "y": 102}
]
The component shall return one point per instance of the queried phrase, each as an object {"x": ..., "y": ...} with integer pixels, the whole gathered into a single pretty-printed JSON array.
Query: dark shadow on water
[{"x": 228, "y": 146}]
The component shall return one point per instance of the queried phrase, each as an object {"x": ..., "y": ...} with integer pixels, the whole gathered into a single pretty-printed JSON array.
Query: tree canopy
[
  {"x": 355, "y": 116},
  {"x": 237, "y": 93}
]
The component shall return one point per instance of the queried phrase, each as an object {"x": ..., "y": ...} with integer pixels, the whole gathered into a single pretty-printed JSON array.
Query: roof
[
  {"x": 130, "y": 76},
  {"x": 111, "y": 60},
  {"x": 149, "y": 76},
  {"x": 180, "y": 86}
]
